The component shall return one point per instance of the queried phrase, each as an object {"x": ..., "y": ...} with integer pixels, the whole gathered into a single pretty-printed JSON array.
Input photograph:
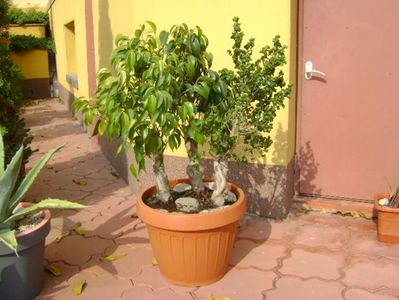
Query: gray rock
[
  {"x": 181, "y": 188},
  {"x": 231, "y": 198},
  {"x": 383, "y": 201},
  {"x": 187, "y": 204}
]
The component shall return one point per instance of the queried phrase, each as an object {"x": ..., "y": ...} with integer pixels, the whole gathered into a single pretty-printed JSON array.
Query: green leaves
[
  {"x": 29, "y": 179},
  {"x": 7, "y": 183},
  {"x": 7, "y": 236},
  {"x": 1, "y": 156},
  {"x": 247, "y": 98},
  {"x": 151, "y": 104},
  {"x": 48, "y": 203},
  {"x": 202, "y": 89},
  {"x": 163, "y": 37}
]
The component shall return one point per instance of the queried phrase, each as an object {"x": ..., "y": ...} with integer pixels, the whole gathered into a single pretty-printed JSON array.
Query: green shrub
[
  {"x": 4, "y": 18},
  {"x": 22, "y": 43},
  {"x": 12, "y": 126},
  {"x": 32, "y": 16}
]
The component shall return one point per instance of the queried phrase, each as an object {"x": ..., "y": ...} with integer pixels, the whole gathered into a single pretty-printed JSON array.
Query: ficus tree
[
  {"x": 152, "y": 97},
  {"x": 256, "y": 91},
  {"x": 161, "y": 92}
]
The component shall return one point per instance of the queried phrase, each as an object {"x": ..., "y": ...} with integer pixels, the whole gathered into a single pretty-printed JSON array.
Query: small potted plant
[
  {"x": 163, "y": 93},
  {"x": 23, "y": 228},
  {"x": 387, "y": 207}
]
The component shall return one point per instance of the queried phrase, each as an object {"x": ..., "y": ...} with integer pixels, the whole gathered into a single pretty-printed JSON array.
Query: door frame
[{"x": 299, "y": 82}]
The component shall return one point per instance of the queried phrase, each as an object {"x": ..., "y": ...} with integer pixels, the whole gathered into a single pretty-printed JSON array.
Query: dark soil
[
  {"x": 204, "y": 198},
  {"x": 29, "y": 221}
]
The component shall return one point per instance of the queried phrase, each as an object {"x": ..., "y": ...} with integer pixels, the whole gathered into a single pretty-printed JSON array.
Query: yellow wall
[
  {"x": 28, "y": 4},
  {"x": 61, "y": 14},
  {"x": 36, "y": 30},
  {"x": 261, "y": 19},
  {"x": 33, "y": 63}
]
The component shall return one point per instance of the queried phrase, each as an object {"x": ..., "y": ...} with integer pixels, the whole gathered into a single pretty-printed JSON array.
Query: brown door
[{"x": 348, "y": 120}]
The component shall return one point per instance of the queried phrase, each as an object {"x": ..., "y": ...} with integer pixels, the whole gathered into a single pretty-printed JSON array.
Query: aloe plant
[{"x": 11, "y": 194}]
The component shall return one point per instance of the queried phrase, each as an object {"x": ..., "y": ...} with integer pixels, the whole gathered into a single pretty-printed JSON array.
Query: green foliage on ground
[
  {"x": 31, "y": 16},
  {"x": 23, "y": 43}
]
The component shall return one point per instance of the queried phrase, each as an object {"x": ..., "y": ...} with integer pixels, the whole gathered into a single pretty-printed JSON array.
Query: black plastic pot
[{"x": 22, "y": 277}]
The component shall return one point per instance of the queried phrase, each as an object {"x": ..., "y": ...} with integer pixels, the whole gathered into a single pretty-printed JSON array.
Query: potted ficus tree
[
  {"x": 23, "y": 228},
  {"x": 163, "y": 93}
]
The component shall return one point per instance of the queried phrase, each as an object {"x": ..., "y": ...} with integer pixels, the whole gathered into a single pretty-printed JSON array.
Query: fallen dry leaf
[
  {"x": 78, "y": 287},
  {"x": 80, "y": 230},
  {"x": 113, "y": 257},
  {"x": 213, "y": 297},
  {"x": 154, "y": 261},
  {"x": 53, "y": 269},
  {"x": 115, "y": 174},
  {"x": 79, "y": 181}
]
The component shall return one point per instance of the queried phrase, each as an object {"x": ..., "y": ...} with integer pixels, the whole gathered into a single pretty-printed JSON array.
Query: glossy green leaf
[
  {"x": 151, "y": 104},
  {"x": 119, "y": 38},
  {"x": 163, "y": 37},
  {"x": 133, "y": 171},
  {"x": 152, "y": 25},
  {"x": 89, "y": 117},
  {"x": 202, "y": 89},
  {"x": 189, "y": 108},
  {"x": 102, "y": 127},
  {"x": 131, "y": 59}
]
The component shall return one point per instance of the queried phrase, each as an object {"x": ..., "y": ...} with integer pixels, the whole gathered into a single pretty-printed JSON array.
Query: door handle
[{"x": 309, "y": 70}]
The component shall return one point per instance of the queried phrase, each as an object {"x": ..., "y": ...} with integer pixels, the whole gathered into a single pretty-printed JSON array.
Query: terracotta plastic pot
[
  {"x": 22, "y": 277},
  {"x": 388, "y": 221},
  {"x": 192, "y": 249}
]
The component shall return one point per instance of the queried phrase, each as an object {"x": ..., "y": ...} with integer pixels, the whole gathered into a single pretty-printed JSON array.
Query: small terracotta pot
[
  {"x": 388, "y": 221},
  {"x": 192, "y": 249}
]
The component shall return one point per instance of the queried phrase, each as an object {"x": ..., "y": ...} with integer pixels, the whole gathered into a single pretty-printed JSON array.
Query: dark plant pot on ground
[
  {"x": 192, "y": 249},
  {"x": 21, "y": 277},
  {"x": 388, "y": 221}
]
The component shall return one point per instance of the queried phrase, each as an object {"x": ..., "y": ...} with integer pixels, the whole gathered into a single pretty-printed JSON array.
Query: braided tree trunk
[
  {"x": 193, "y": 169},
  {"x": 220, "y": 192},
  {"x": 161, "y": 179}
]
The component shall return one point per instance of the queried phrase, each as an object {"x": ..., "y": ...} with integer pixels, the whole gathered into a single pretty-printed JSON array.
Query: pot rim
[
  {"x": 383, "y": 208},
  {"x": 191, "y": 222},
  {"x": 46, "y": 218}
]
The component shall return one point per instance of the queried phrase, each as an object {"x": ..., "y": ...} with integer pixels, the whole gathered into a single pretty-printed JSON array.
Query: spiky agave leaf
[
  {"x": 49, "y": 203},
  {"x": 7, "y": 183},
  {"x": 29, "y": 179},
  {"x": 1, "y": 157},
  {"x": 8, "y": 237}
]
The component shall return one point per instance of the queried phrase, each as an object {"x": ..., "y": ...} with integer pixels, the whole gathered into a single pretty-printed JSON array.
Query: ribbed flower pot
[
  {"x": 388, "y": 221},
  {"x": 22, "y": 277},
  {"x": 192, "y": 249}
]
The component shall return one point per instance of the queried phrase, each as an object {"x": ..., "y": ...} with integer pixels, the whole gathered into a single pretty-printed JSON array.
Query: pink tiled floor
[{"x": 306, "y": 256}]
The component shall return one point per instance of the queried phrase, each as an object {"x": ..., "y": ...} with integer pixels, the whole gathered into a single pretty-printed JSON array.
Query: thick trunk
[
  {"x": 220, "y": 192},
  {"x": 193, "y": 169},
  {"x": 161, "y": 179}
]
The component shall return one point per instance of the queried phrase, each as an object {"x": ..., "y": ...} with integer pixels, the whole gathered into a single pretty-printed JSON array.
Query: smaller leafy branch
[
  {"x": 32, "y": 16},
  {"x": 23, "y": 43}
]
